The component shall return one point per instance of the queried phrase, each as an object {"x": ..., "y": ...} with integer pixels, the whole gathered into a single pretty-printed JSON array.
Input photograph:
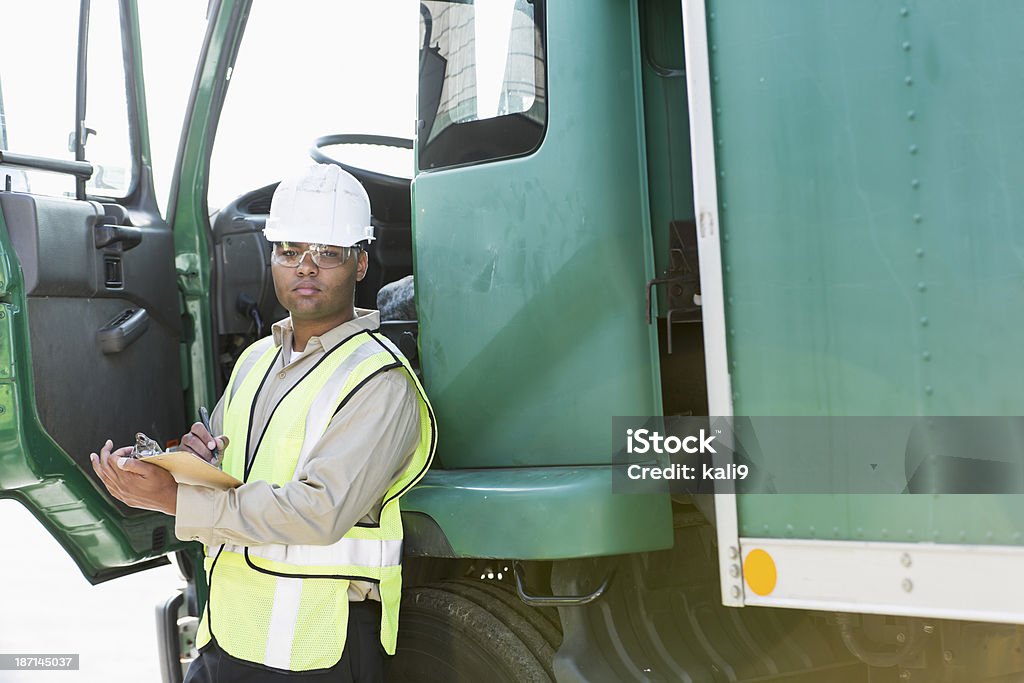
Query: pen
[{"x": 204, "y": 417}]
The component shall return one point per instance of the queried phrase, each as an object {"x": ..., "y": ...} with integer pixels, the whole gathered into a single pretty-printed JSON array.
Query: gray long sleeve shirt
[{"x": 364, "y": 450}]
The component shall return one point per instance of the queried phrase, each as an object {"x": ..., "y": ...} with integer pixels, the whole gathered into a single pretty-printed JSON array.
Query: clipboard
[{"x": 188, "y": 468}]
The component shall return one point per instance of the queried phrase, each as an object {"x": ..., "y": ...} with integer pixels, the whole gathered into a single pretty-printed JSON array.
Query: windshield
[{"x": 309, "y": 69}]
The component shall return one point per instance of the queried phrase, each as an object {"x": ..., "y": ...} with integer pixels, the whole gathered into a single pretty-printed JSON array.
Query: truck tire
[
  {"x": 544, "y": 620},
  {"x": 460, "y": 632}
]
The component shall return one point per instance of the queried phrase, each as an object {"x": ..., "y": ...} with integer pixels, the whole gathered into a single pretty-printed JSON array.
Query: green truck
[{"x": 618, "y": 208}]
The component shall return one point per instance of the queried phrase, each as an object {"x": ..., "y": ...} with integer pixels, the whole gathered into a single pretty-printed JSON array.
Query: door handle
[
  {"x": 120, "y": 332},
  {"x": 128, "y": 237}
]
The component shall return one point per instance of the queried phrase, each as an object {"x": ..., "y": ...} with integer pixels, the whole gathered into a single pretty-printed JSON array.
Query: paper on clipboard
[{"x": 188, "y": 468}]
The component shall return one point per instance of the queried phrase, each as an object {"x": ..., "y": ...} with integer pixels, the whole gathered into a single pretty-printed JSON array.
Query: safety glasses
[{"x": 290, "y": 254}]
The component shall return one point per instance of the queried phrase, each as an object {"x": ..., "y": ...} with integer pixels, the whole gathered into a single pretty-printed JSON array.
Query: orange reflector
[{"x": 759, "y": 572}]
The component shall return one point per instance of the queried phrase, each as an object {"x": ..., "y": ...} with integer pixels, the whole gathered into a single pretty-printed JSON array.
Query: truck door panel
[
  {"x": 74, "y": 290},
  {"x": 90, "y": 316}
]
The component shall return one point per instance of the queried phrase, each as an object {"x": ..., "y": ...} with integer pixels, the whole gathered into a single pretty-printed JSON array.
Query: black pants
[{"x": 361, "y": 662}]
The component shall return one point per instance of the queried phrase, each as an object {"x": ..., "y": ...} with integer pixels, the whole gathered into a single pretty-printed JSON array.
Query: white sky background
[{"x": 172, "y": 35}]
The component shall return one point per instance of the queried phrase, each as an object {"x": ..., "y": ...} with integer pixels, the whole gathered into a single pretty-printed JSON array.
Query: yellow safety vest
[{"x": 286, "y": 606}]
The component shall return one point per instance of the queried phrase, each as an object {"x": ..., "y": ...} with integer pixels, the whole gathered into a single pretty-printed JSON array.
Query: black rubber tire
[
  {"x": 543, "y": 620},
  {"x": 457, "y": 633},
  {"x": 494, "y": 601}
]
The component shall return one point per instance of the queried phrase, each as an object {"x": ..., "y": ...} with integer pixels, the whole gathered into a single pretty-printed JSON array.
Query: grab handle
[{"x": 120, "y": 332}]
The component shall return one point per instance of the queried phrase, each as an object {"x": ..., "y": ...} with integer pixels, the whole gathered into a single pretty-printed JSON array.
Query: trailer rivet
[
  {"x": 908, "y": 80},
  {"x": 3, "y": 409},
  {"x": 908, "y": 585},
  {"x": 921, "y": 287},
  {"x": 915, "y": 183},
  {"x": 734, "y": 571},
  {"x": 926, "y": 355},
  {"x": 929, "y": 629},
  {"x": 904, "y": 11},
  {"x": 912, "y": 149},
  {"x": 947, "y": 656},
  {"x": 3, "y": 314},
  {"x": 917, "y": 218},
  {"x": 736, "y": 591},
  {"x": 919, "y": 252},
  {"x": 904, "y": 675},
  {"x": 928, "y": 390},
  {"x": 906, "y": 46},
  {"x": 734, "y": 553},
  {"x": 905, "y": 560},
  {"x": 901, "y": 637}
]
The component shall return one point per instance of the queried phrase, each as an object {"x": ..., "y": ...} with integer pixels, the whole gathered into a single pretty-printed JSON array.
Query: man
[{"x": 327, "y": 426}]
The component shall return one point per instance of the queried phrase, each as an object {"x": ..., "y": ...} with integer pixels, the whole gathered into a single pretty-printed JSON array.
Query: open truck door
[{"x": 90, "y": 321}]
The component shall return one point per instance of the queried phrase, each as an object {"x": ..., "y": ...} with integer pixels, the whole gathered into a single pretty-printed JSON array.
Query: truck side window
[
  {"x": 482, "y": 81},
  {"x": 37, "y": 90},
  {"x": 37, "y": 96}
]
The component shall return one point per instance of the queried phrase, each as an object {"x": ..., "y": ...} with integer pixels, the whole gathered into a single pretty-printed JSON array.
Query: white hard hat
[{"x": 325, "y": 205}]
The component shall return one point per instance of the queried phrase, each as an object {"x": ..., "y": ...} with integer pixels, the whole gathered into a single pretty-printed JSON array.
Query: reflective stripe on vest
[{"x": 286, "y": 606}]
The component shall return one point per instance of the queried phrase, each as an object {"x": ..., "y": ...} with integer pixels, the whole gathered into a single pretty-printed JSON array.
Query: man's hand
[
  {"x": 200, "y": 442},
  {"x": 134, "y": 483}
]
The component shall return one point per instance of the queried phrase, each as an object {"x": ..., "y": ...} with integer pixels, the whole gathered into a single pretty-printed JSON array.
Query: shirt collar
[{"x": 366, "y": 319}]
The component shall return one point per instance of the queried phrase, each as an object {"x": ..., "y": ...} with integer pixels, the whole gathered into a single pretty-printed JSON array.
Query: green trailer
[{"x": 786, "y": 210}]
